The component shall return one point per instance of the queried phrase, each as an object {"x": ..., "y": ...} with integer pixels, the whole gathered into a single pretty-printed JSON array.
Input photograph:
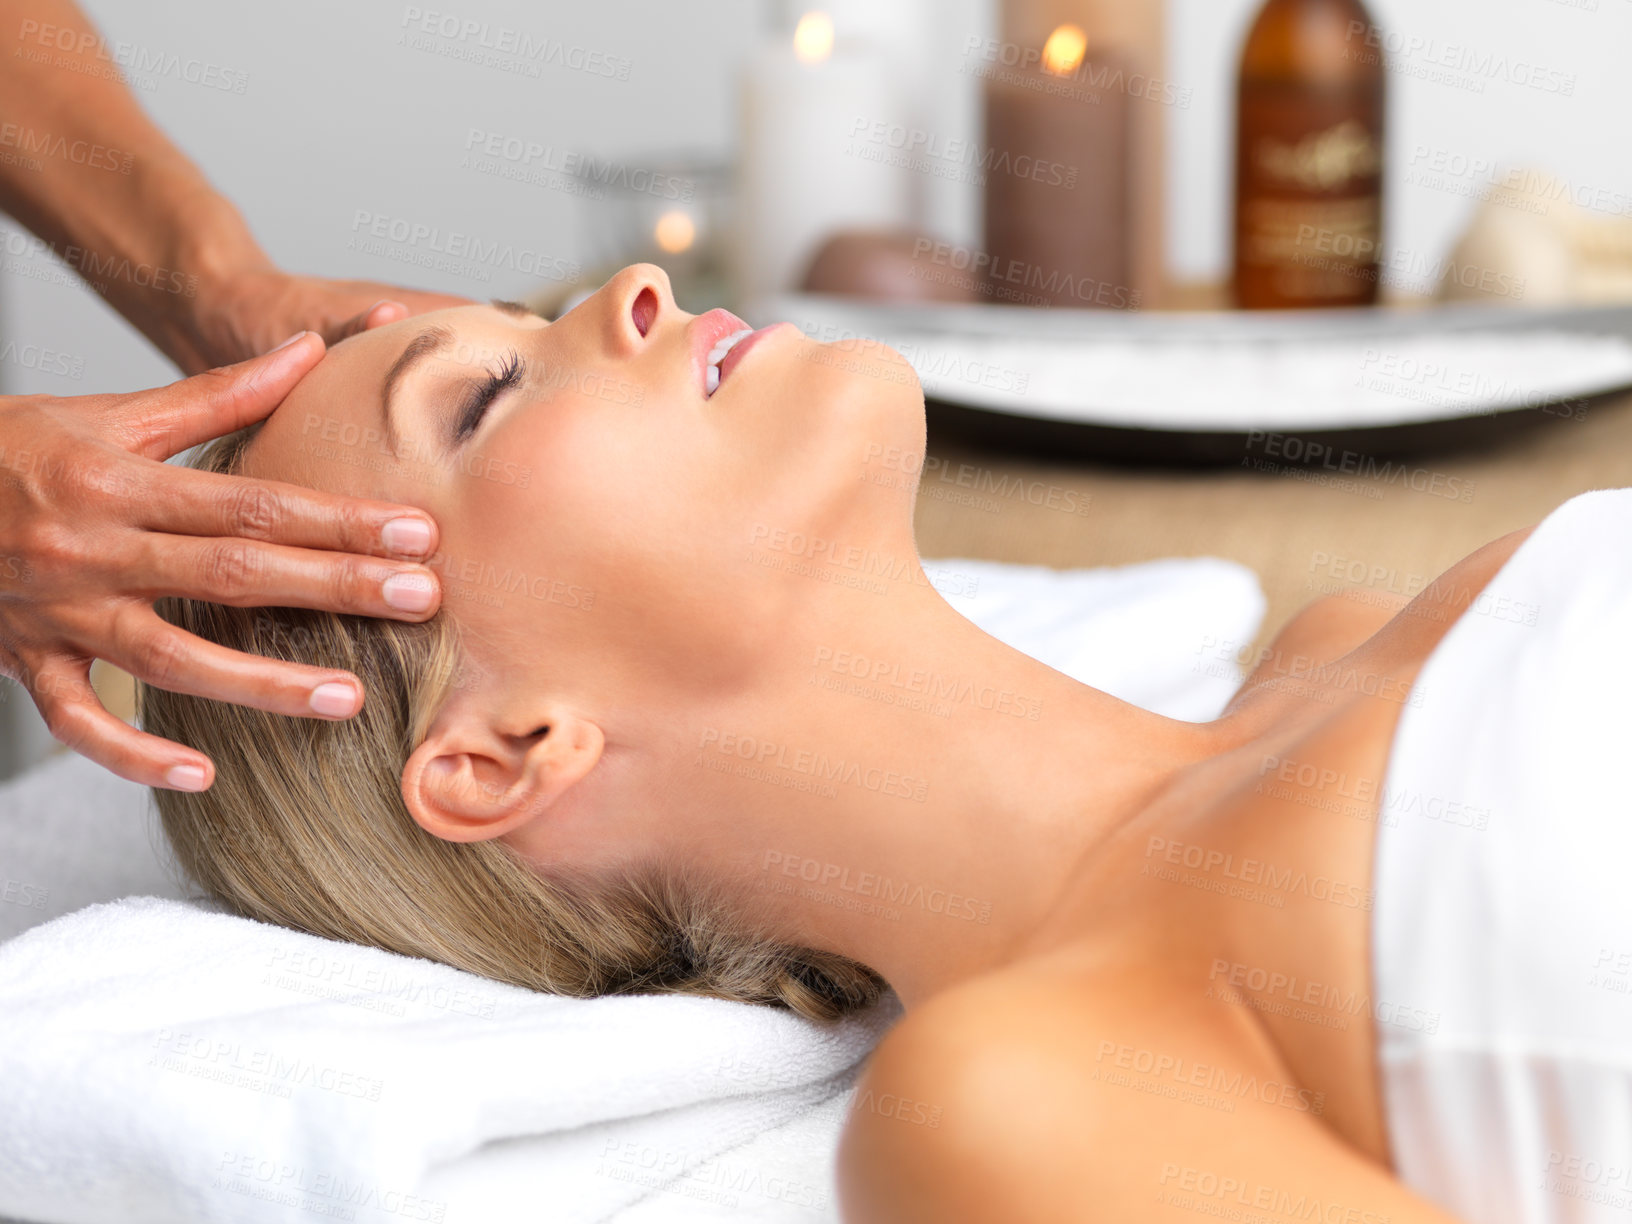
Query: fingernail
[
  {"x": 408, "y": 592},
  {"x": 185, "y": 778},
  {"x": 286, "y": 343},
  {"x": 336, "y": 699},
  {"x": 408, "y": 536}
]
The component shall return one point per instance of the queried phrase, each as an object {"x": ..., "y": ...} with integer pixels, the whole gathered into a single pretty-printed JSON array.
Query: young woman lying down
[{"x": 1354, "y": 951}]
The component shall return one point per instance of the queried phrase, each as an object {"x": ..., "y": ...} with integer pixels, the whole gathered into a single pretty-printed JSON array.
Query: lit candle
[
  {"x": 821, "y": 119},
  {"x": 675, "y": 231},
  {"x": 1057, "y": 147}
]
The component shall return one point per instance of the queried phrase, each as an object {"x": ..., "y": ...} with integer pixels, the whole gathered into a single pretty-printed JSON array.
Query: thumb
[
  {"x": 167, "y": 420},
  {"x": 378, "y": 315}
]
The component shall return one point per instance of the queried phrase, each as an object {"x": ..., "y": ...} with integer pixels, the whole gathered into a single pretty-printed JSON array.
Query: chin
[
  {"x": 837, "y": 448},
  {"x": 878, "y": 405}
]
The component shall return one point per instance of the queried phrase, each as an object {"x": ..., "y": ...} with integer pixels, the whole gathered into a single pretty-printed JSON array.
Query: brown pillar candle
[{"x": 1056, "y": 179}]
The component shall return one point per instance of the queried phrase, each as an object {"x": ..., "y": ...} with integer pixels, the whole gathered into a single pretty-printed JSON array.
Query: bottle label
[
  {"x": 1322, "y": 161},
  {"x": 1309, "y": 202}
]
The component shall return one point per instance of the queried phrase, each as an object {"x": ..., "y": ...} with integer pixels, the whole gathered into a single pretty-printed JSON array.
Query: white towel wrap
[{"x": 1502, "y": 933}]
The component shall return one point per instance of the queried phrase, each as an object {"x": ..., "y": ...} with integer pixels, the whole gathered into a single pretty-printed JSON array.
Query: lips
[
  {"x": 707, "y": 330},
  {"x": 720, "y": 329},
  {"x": 734, "y": 358}
]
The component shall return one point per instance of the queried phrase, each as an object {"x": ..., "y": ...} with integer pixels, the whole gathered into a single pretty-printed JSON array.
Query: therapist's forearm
[{"x": 84, "y": 168}]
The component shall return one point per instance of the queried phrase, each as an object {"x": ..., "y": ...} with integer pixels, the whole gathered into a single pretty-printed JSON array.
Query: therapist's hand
[
  {"x": 254, "y": 309},
  {"x": 94, "y": 527}
]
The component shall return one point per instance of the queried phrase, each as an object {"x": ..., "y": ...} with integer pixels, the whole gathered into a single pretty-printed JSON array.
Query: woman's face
[{"x": 604, "y": 518}]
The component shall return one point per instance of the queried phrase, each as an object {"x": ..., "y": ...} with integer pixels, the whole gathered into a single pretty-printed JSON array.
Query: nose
[{"x": 637, "y": 300}]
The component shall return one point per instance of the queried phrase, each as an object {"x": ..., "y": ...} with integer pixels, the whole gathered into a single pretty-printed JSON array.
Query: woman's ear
[{"x": 469, "y": 781}]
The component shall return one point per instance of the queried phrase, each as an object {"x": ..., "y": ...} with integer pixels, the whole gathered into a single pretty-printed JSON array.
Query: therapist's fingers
[
  {"x": 185, "y": 501},
  {"x": 167, "y": 420},
  {"x": 61, "y": 688},
  {"x": 340, "y": 309},
  {"x": 167, "y": 657},
  {"x": 250, "y": 573},
  {"x": 377, "y": 315}
]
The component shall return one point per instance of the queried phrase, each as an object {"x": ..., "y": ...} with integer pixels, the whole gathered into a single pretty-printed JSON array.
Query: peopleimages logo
[
  {"x": 1306, "y": 993},
  {"x": 936, "y": 153},
  {"x": 764, "y": 754},
  {"x": 53, "y": 144},
  {"x": 502, "y": 46},
  {"x": 143, "y": 63},
  {"x": 431, "y": 245},
  {"x": 1167, "y": 1072},
  {"x": 1477, "y": 65},
  {"x": 44, "y": 360},
  {"x": 958, "y": 690},
  {"x": 532, "y": 155},
  {"x": 1314, "y": 453},
  {"x": 986, "y": 269},
  {"x": 860, "y": 559},
  {"x": 1257, "y": 873},
  {"x": 871, "y": 884},
  {"x": 1095, "y": 74}
]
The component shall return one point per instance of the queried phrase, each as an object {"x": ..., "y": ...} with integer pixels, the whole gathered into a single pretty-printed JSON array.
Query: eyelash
[{"x": 508, "y": 375}]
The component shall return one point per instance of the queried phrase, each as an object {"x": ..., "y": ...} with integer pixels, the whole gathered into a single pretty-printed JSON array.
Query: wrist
[
  {"x": 209, "y": 246},
  {"x": 208, "y": 256}
]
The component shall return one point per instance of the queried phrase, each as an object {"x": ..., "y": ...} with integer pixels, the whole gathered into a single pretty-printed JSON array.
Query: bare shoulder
[
  {"x": 923, "y": 1137},
  {"x": 1322, "y": 631},
  {"x": 1336, "y": 624},
  {"x": 1020, "y": 1098}
]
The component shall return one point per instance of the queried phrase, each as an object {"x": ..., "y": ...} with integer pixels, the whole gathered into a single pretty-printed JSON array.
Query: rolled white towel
[{"x": 167, "y": 1063}]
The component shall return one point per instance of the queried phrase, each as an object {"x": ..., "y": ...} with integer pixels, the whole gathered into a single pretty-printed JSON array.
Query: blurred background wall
[
  {"x": 340, "y": 118},
  {"x": 336, "y": 118}
]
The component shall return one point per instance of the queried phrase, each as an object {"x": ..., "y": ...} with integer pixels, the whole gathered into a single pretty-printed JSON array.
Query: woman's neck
[{"x": 906, "y": 790}]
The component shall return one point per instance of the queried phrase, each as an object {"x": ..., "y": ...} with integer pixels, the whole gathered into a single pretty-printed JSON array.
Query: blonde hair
[{"x": 305, "y": 826}]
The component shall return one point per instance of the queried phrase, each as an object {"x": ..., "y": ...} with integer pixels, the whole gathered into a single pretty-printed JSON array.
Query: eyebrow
[
  {"x": 430, "y": 341},
  {"x": 427, "y": 344},
  {"x": 519, "y": 309}
]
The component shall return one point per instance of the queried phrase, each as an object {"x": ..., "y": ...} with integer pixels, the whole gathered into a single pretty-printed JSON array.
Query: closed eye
[{"x": 482, "y": 396}]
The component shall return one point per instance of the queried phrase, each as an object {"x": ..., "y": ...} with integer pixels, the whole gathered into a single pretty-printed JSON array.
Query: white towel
[
  {"x": 163, "y": 1060},
  {"x": 1152, "y": 634},
  {"x": 228, "y": 1069},
  {"x": 1502, "y": 931}
]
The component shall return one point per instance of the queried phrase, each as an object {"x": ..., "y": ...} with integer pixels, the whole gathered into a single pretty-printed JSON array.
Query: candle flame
[
  {"x": 1064, "y": 51},
  {"x": 813, "y": 40},
  {"x": 675, "y": 232}
]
